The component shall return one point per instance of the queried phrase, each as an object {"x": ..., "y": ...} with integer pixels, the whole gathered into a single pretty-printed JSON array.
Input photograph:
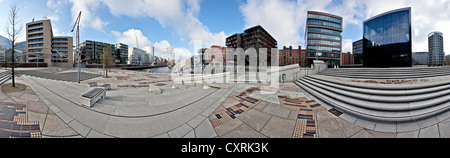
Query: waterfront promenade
[{"x": 239, "y": 111}]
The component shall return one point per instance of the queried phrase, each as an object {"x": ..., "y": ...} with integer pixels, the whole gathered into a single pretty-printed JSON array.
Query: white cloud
[
  {"x": 88, "y": 16},
  {"x": 129, "y": 37},
  {"x": 161, "y": 48},
  {"x": 181, "y": 15},
  {"x": 347, "y": 45},
  {"x": 283, "y": 19}
]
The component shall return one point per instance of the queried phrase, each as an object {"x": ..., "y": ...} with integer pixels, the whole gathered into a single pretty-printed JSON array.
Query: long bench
[{"x": 90, "y": 98}]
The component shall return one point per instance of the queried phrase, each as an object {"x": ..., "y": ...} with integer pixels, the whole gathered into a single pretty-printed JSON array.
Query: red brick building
[
  {"x": 215, "y": 52},
  {"x": 346, "y": 59},
  {"x": 289, "y": 56}
]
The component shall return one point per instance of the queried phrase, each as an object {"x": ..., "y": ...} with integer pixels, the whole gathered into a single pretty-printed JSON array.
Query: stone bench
[
  {"x": 178, "y": 86},
  {"x": 154, "y": 89},
  {"x": 90, "y": 98},
  {"x": 92, "y": 84},
  {"x": 106, "y": 86}
]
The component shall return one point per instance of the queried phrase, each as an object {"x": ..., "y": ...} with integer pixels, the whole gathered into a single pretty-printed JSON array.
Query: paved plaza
[{"x": 239, "y": 111}]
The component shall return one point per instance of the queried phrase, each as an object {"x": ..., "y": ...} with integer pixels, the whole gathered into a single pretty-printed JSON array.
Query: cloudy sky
[{"x": 178, "y": 23}]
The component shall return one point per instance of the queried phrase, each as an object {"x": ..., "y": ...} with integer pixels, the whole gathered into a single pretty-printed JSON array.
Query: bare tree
[
  {"x": 13, "y": 30},
  {"x": 107, "y": 59}
]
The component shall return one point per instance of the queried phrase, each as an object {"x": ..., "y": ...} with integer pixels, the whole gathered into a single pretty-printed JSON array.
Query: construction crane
[{"x": 77, "y": 24}]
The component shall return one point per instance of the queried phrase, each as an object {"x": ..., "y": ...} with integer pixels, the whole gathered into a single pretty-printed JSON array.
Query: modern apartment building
[
  {"x": 255, "y": 37},
  {"x": 323, "y": 37},
  {"x": 91, "y": 50},
  {"x": 388, "y": 39},
  {"x": 436, "y": 53},
  {"x": 43, "y": 47}
]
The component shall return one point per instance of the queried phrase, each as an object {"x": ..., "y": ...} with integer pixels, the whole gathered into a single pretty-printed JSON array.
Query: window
[
  {"x": 35, "y": 25},
  {"x": 36, "y": 35},
  {"x": 59, "y": 39},
  {"x": 59, "y": 44},
  {"x": 35, "y": 30},
  {"x": 36, "y": 45},
  {"x": 324, "y": 23},
  {"x": 36, "y": 40},
  {"x": 331, "y": 37}
]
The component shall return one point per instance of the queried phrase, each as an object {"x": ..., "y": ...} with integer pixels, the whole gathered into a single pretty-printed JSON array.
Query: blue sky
[{"x": 178, "y": 23}]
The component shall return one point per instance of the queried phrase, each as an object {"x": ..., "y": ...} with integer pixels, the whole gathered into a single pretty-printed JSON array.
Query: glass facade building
[
  {"x": 436, "y": 53},
  {"x": 387, "y": 40},
  {"x": 323, "y": 37}
]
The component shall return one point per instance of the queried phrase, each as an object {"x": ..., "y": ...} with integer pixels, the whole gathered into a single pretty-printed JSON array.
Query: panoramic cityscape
[{"x": 224, "y": 69}]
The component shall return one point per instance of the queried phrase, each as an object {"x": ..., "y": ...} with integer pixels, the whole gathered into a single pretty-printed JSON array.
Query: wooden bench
[
  {"x": 106, "y": 86},
  {"x": 90, "y": 98},
  {"x": 154, "y": 89}
]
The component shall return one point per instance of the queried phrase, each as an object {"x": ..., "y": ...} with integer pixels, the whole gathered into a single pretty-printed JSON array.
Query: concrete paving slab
[
  {"x": 328, "y": 126},
  {"x": 255, "y": 119},
  {"x": 180, "y": 131},
  {"x": 407, "y": 127},
  {"x": 386, "y": 127},
  {"x": 365, "y": 124},
  {"x": 205, "y": 130},
  {"x": 429, "y": 132},
  {"x": 348, "y": 128},
  {"x": 412, "y": 134},
  {"x": 362, "y": 134},
  {"x": 79, "y": 128},
  {"x": 279, "y": 128},
  {"x": 276, "y": 110},
  {"x": 243, "y": 131},
  {"x": 444, "y": 129}
]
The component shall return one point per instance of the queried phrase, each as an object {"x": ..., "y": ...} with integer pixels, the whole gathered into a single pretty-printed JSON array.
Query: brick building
[{"x": 255, "y": 37}]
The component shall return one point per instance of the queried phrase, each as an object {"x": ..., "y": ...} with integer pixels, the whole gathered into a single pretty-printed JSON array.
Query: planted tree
[
  {"x": 107, "y": 59},
  {"x": 13, "y": 30}
]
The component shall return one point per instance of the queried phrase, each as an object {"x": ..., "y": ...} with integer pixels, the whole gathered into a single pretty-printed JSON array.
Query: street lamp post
[{"x": 77, "y": 24}]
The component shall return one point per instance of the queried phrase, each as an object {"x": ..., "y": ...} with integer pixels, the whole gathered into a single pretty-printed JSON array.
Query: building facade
[
  {"x": 347, "y": 59},
  {"x": 91, "y": 50},
  {"x": 420, "y": 58},
  {"x": 436, "y": 53},
  {"x": 358, "y": 52},
  {"x": 289, "y": 56},
  {"x": 139, "y": 57},
  {"x": 323, "y": 37},
  {"x": 122, "y": 53},
  {"x": 387, "y": 39},
  {"x": 255, "y": 37},
  {"x": 42, "y": 46}
]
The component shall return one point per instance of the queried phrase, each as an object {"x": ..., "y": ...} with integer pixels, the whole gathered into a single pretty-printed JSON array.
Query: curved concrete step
[
  {"x": 385, "y": 103},
  {"x": 382, "y": 92},
  {"x": 410, "y": 87},
  {"x": 376, "y": 115},
  {"x": 401, "y": 73}
]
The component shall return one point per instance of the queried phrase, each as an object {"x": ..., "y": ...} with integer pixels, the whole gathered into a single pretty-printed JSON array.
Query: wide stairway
[
  {"x": 4, "y": 76},
  {"x": 388, "y": 73},
  {"x": 386, "y": 95}
]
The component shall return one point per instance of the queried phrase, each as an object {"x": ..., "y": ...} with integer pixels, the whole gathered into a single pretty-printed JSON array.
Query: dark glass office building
[{"x": 387, "y": 39}]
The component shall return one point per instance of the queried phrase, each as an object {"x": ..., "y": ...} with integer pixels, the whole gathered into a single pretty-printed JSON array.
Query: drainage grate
[{"x": 335, "y": 112}]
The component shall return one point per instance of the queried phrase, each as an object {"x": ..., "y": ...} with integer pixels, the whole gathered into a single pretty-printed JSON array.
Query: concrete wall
[{"x": 295, "y": 72}]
